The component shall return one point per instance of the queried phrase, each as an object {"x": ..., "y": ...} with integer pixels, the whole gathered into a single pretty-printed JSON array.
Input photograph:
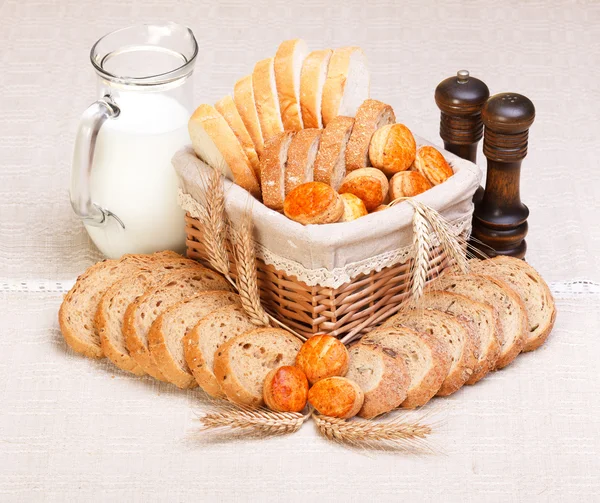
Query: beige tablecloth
[{"x": 76, "y": 430}]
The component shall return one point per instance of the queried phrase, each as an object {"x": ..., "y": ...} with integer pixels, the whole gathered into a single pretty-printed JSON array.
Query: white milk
[{"x": 132, "y": 175}]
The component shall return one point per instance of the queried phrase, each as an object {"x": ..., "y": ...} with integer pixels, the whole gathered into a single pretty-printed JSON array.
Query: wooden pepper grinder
[{"x": 500, "y": 218}]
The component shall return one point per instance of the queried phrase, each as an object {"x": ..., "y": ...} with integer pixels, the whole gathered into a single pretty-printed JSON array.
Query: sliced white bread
[
  {"x": 507, "y": 303},
  {"x": 226, "y": 107},
  {"x": 288, "y": 67},
  {"x": 450, "y": 331},
  {"x": 371, "y": 115},
  {"x": 165, "y": 338},
  {"x": 243, "y": 362},
  {"x": 347, "y": 85},
  {"x": 215, "y": 143},
  {"x": 312, "y": 81},
  {"x": 243, "y": 96},
  {"x": 427, "y": 359},
  {"x": 201, "y": 343},
  {"x": 272, "y": 169},
  {"x": 535, "y": 293},
  {"x": 301, "y": 158},
  {"x": 383, "y": 376},
  {"x": 265, "y": 98},
  {"x": 142, "y": 312},
  {"x": 330, "y": 164}
]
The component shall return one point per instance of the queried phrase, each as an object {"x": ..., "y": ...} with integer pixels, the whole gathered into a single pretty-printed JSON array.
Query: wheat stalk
[
  {"x": 450, "y": 243},
  {"x": 422, "y": 246}
]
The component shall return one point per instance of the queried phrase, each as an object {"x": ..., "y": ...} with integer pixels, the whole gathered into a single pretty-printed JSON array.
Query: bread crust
[
  {"x": 243, "y": 96},
  {"x": 272, "y": 170},
  {"x": 310, "y": 92},
  {"x": 369, "y": 184},
  {"x": 353, "y": 207},
  {"x": 288, "y": 95},
  {"x": 392, "y": 149},
  {"x": 313, "y": 203},
  {"x": 266, "y": 100},
  {"x": 432, "y": 165},
  {"x": 299, "y": 156},
  {"x": 336, "y": 397},
  {"x": 322, "y": 356},
  {"x": 333, "y": 147},
  {"x": 408, "y": 184},
  {"x": 285, "y": 389}
]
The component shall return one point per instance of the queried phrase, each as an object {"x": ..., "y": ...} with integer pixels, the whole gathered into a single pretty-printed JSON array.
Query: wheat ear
[
  {"x": 450, "y": 243},
  {"x": 421, "y": 246}
]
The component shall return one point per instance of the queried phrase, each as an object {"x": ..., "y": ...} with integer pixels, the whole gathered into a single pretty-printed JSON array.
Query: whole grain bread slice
[
  {"x": 142, "y": 312},
  {"x": 450, "y": 331},
  {"x": 272, "y": 170},
  {"x": 383, "y": 376},
  {"x": 330, "y": 164},
  {"x": 165, "y": 338},
  {"x": 427, "y": 359},
  {"x": 301, "y": 158},
  {"x": 509, "y": 308},
  {"x": 201, "y": 343},
  {"x": 243, "y": 362}
]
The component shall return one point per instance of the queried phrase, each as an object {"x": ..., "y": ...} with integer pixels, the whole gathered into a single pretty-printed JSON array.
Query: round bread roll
[
  {"x": 336, "y": 397},
  {"x": 393, "y": 149},
  {"x": 408, "y": 184},
  {"x": 285, "y": 389},
  {"x": 353, "y": 207},
  {"x": 369, "y": 184},
  {"x": 381, "y": 208},
  {"x": 432, "y": 165},
  {"x": 313, "y": 203},
  {"x": 322, "y": 356}
]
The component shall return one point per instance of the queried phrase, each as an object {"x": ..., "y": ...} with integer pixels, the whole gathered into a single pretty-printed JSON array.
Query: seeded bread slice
[
  {"x": 383, "y": 376},
  {"x": 142, "y": 312},
  {"x": 330, "y": 164},
  {"x": 201, "y": 343},
  {"x": 301, "y": 158},
  {"x": 165, "y": 338},
  {"x": 535, "y": 293},
  {"x": 509, "y": 307},
  {"x": 243, "y": 362},
  {"x": 449, "y": 330}
]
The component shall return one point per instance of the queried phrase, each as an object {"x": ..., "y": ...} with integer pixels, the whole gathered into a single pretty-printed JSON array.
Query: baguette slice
[
  {"x": 383, "y": 376},
  {"x": 371, "y": 115},
  {"x": 226, "y": 107},
  {"x": 243, "y": 96},
  {"x": 426, "y": 357},
  {"x": 272, "y": 170},
  {"x": 214, "y": 143},
  {"x": 201, "y": 343},
  {"x": 288, "y": 67},
  {"x": 265, "y": 98},
  {"x": 312, "y": 81},
  {"x": 243, "y": 362},
  {"x": 347, "y": 84},
  {"x": 330, "y": 164},
  {"x": 450, "y": 331},
  {"x": 509, "y": 307},
  {"x": 111, "y": 310},
  {"x": 301, "y": 158},
  {"x": 525, "y": 280},
  {"x": 142, "y": 312},
  {"x": 483, "y": 320},
  {"x": 165, "y": 338}
]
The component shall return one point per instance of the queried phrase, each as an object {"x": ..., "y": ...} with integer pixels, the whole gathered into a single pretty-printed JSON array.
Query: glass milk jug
[{"x": 123, "y": 186}]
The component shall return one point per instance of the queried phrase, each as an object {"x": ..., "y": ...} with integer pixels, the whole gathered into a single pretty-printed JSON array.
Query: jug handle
[{"x": 83, "y": 157}]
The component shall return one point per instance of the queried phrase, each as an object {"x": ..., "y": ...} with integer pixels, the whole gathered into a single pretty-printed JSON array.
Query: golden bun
[
  {"x": 313, "y": 203},
  {"x": 432, "y": 165},
  {"x": 408, "y": 184},
  {"x": 285, "y": 389},
  {"x": 336, "y": 397},
  {"x": 369, "y": 184},
  {"x": 392, "y": 149},
  {"x": 322, "y": 356},
  {"x": 353, "y": 207}
]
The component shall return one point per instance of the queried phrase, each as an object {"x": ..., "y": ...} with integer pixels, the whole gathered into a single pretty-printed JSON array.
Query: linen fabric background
[{"x": 72, "y": 429}]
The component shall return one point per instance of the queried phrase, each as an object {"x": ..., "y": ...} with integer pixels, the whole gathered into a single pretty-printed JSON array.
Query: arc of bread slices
[
  {"x": 142, "y": 312},
  {"x": 288, "y": 67},
  {"x": 243, "y": 96},
  {"x": 273, "y": 168},
  {"x": 370, "y": 116},
  {"x": 330, "y": 164},
  {"x": 312, "y": 81},
  {"x": 347, "y": 85},
  {"x": 215, "y": 143},
  {"x": 165, "y": 338},
  {"x": 427, "y": 359},
  {"x": 301, "y": 158},
  {"x": 201, "y": 343},
  {"x": 226, "y": 107},
  {"x": 450, "y": 331},
  {"x": 265, "y": 98}
]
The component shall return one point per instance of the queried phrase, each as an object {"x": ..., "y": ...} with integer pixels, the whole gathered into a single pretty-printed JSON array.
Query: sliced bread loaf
[
  {"x": 288, "y": 67},
  {"x": 243, "y": 96},
  {"x": 450, "y": 331},
  {"x": 525, "y": 281},
  {"x": 165, "y": 338},
  {"x": 272, "y": 169},
  {"x": 142, "y": 312},
  {"x": 347, "y": 85},
  {"x": 301, "y": 158},
  {"x": 330, "y": 164},
  {"x": 383, "y": 376},
  {"x": 312, "y": 81},
  {"x": 508, "y": 305},
  {"x": 243, "y": 362},
  {"x": 427, "y": 359},
  {"x": 201, "y": 343},
  {"x": 265, "y": 98},
  {"x": 370, "y": 116}
]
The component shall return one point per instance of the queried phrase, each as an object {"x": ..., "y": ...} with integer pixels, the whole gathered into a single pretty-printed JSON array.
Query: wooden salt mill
[{"x": 500, "y": 218}]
